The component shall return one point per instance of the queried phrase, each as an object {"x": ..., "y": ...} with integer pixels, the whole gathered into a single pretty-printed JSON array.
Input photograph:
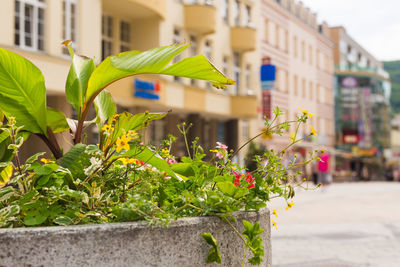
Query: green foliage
[
  {"x": 213, "y": 255},
  {"x": 123, "y": 178},
  {"x": 393, "y": 67},
  {"x": 254, "y": 241}
]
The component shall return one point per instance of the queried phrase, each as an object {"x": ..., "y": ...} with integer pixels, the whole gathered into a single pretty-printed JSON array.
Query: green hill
[{"x": 393, "y": 67}]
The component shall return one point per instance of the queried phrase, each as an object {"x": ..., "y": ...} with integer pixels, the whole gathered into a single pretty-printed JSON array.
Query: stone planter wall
[{"x": 129, "y": 244}]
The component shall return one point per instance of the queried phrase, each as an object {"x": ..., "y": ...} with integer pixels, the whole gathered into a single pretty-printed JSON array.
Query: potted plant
[{"x": 123, "y": 179}]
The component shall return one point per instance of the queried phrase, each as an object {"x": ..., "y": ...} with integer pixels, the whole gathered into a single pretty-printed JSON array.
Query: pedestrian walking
[{"x": 324, "y": 176}]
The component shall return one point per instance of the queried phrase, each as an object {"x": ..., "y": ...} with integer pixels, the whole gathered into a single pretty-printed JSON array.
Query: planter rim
[{"x": 137, "y": 224}]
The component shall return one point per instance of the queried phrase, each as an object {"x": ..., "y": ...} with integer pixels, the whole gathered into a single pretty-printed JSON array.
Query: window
[
  {"x": 107, "y": 36},
  {"x": 208, "y": 55},
  {"x": 317, "y": 97},
  {"x": 295, "y": 46},
  {"x": 277, "y": 32},
  {"x": 311, "y": 88},
  {"x": 317, "y": 59},
  {"x": 236, "y": 14},
  {"x": 303, "y": 83},
  {"x": 249, "y": 91},
  {"x": 277, "y": 75},
  {"x": 193, "y": 52},
  {"x": 286, "y": 81},
  {"x": 245, "y": 130},
  {"x": 303, "y": 51},
  {"x": 29, "y": 24},
  {"x": 310, "y": 54},
  {"x": 267, "y": 30},
  {"x": 176, "y": 40},
  {"x": 286, "y": 41},
  {"x": 225, "y": 66},
  {"x": 295, "y": 85},
  {"x": 236, "y": 72},
  {"x": 208, "y": 50},
  {"x": 125, "y": 36},
  {"x": 225, "y": 10},
  {"x": 247, "y": 18},
  {"x": 69, "y": 23}
]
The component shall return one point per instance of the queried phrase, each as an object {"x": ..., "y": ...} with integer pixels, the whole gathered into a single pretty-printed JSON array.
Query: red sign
[{"x": 266, "y": 104}]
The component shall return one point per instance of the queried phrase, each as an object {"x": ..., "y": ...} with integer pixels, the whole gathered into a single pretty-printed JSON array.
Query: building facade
[
  {"x": 303, "y": 55},
  {"x": 362, "y": 107},
  {"x": 224, "y": 31}
]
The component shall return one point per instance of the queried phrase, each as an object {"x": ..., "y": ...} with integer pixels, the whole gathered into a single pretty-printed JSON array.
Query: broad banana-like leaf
[
  {"x": 22, "y": 92},
  {"x": 77, "y": 80},
  {"x": 105, "y": 106},
  {"x": 155, "y": 61},
  {"x": 126, "y": 122},
  {"x": 56, "y": 120}
]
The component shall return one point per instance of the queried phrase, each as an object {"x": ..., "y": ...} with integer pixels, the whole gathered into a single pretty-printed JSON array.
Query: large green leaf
[
  {"x": 156, "y": 61},
  {"x": 198, "y": 67},
  {"x": 126, "y": 121},
  {"x": 77, "y": 80},
  {"x": 5, "y": 175},
  {"x": 105, "y": 106},
  {"x": 22, "y": 92},
  {"x": 56, "y": 120}
]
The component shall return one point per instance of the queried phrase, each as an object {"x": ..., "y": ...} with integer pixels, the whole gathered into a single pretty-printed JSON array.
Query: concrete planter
[{"x": 129, "y": 244}]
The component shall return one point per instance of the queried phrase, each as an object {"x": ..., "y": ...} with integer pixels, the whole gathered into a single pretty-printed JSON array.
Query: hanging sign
[{"x": 268, "y": 77}]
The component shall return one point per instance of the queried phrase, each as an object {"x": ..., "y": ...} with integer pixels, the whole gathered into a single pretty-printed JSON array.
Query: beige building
[
  {"x": 224, "y": 31},
  {"x": 303, "y": 55}
]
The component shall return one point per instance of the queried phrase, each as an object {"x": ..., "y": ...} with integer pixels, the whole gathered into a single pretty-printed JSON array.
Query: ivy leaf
[{"x": 213, "y": 255}]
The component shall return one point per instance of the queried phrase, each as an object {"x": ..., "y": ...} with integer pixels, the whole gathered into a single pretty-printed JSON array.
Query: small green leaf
[
  {"x": 5, "y": 175},
  {"x": 214, "y": 254},
  {"x": 228, "y": 188},
  {"x": 63, "y": 220}
]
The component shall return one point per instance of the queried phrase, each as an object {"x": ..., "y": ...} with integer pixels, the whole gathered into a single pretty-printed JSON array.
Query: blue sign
[
  {"x": 147, "y": 90},
  {"x": 268, "y": 77}
]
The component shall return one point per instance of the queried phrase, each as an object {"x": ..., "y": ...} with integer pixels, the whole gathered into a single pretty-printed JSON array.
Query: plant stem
[{"x": 244, "y": 255}]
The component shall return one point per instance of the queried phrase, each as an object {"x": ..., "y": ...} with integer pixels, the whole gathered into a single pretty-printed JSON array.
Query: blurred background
[{"x": 321, "y": 56}]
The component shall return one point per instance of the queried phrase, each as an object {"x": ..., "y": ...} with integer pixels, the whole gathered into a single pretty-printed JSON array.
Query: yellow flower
[
  {"x": 274, "y": 212},
  {"x": 274, "y": 223},
  {"x": 132, "y": 133},
  {"x": 122, "y": 143},
  {"x": 305, "y": 112},
  {"x": 313, "y": 132},
  {"x": 126, "y": 161},
  {"x": 213, "y": 150},
  {"x": 46, "y": 161},
  {"x": 165, "y": 151},
  {"x": 289, "y": 205},
  {"x": 106, "y": 128}
]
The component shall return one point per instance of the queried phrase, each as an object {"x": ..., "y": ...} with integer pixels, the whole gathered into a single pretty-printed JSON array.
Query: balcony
[
  {"x": 244, "y": 106},
  {"x": 200, "y": 18},
  {"x": 136, "y": 8},
  {"x": 243, "y": 39}
]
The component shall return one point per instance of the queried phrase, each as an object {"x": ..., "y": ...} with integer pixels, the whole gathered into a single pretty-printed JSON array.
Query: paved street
[{"x": 355, "y": 224}]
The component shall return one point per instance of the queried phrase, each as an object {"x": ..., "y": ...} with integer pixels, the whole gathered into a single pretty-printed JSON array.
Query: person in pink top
[{"x": 323, "y": 169}]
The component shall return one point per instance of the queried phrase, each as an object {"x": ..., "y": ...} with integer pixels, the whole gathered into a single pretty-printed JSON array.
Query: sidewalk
[{"x": 355, "y": 224}]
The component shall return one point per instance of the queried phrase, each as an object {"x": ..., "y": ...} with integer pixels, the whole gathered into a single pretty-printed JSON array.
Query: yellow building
[{"x": 224, "y": 31}]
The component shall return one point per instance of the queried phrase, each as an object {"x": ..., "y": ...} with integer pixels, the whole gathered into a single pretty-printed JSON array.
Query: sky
[{"x": 375, "y": 24}]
